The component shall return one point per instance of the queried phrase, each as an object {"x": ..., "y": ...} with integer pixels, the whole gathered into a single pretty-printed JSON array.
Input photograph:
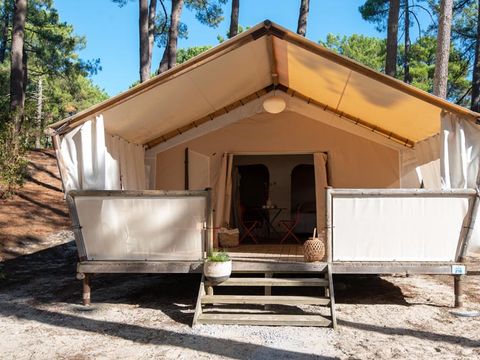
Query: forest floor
[
  {"x": 29, "y": 219},
  {"x": 140, "y": 316}
]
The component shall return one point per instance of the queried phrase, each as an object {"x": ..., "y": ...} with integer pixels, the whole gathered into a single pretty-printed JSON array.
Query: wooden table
[{"x": 269, "y": 215}]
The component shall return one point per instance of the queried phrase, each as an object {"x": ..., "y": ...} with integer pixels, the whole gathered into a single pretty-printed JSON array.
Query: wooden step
[
  {"x": 264, "y": 319},
  {"x": 265, "y": 299},
  {"x": 249, "y": 266},
  {"x": 242, "y": 281}
]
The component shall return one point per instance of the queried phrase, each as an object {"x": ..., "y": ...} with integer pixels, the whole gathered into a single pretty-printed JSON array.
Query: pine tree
[
  {"x": 302, "y": 17},
  {"x": 440, "y": 78}
]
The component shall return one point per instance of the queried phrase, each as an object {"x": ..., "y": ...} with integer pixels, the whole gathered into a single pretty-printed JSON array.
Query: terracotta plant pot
[{"x": 216, "y": 271}]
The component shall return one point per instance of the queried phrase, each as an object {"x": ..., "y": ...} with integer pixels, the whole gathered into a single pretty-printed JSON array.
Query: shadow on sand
[{"x": 48, "y": 277}]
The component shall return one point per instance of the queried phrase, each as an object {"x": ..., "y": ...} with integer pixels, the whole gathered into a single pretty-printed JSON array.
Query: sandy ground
[{"x": 149, "y": 317}]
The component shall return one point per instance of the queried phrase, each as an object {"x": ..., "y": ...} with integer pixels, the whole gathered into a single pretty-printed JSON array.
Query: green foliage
[
  {"x": 183, "y": 55},
  {"x": 422, "y": 68},
  {"x": 367, "y": 50},
  {"x": 464, "y": 26},
  {"x": 51, "y": 47},
  {"x": 51, "y": 50},
  {"x": 371, "y": 52},
  {"x": 375, "y": 11},
  {"x": 188, "y": 53},
  {"x": 66, "y": 96},
  {"x": 241, "y": 29},
  {"x": 13, "y": 164},
  {"x": 208, "y": 12},
  {"x": 218, "y": 256}
]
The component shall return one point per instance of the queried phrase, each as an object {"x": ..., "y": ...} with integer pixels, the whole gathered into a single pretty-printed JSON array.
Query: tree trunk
[
  {"x": 39, "y": 117},
  {"x": 144, "y": 45},
  {"x": 392, "y": 38},
  {"x": 173, "y": 32},
  {"x": 17, "y": 72},
  {"x": 440, "y": 78},
  {"x": 5, "y": 22},
  {"x": 302, "y": 17},
  {"x": 476, "y": 69},
  {"x": 406, "y": 59},
  {"x": 169, "y": 58},
  {"x": 234, "y": 18},
  {"x": 152, "y": 13},
  {"x": 164, "y": 62}
]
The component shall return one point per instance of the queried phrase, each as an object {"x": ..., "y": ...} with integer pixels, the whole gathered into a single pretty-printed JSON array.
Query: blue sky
[{"x": 112, "y": 32}]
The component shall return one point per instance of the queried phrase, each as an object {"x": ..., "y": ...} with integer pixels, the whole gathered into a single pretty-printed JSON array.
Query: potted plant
[{"x": 217, "y": 266}]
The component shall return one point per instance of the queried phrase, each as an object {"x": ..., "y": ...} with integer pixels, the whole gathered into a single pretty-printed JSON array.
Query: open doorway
[
  {"x": 275, "y": 193},
  {"x": 303, "y": 198}
]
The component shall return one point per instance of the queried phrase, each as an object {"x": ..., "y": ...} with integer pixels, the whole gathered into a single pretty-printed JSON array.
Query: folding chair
[
  {"x": 290, "y": 225},
  {"x": 248, "y": 226}
]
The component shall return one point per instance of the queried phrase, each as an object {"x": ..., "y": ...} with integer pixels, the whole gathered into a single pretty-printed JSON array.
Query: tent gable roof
[{"x": 252, "y": 63}]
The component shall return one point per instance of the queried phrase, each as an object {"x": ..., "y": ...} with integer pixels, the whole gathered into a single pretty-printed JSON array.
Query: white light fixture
[{"x": 274, "y": 104}]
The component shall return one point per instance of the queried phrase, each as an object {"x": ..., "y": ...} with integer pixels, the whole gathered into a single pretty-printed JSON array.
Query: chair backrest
[{"x": 298, "y": 213}]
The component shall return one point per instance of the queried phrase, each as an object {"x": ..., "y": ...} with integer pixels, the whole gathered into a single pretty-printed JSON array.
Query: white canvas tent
[{"x": 377, "y": 131}]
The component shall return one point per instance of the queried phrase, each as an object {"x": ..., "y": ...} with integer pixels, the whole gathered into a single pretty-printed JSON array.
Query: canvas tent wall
[
  {"x": 354, "y": 161},
  {"x": 393, "y": 129}
]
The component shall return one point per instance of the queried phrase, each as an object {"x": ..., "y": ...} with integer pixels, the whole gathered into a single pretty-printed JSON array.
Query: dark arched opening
[{"x": 253, "y": 186}]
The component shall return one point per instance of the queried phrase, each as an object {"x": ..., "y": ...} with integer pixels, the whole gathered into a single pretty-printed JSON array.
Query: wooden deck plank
[
  {"x": 272, "y": 282},
  {"x": 270, "y": 265},
  {"x": 265, "y": 299},
  {"x": 264, "y": 319}
]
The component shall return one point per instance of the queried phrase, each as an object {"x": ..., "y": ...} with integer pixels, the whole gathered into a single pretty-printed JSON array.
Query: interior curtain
[
  {"x": 460, "y": 160},
  {"x": 125, "y": 165},
  {"x": 94, "y": 160},
  {"x": 228, "y": 191},
  {"x": 83, "y": 154},
  {"x": 235, "y": 197},
  {"x": 112, "y": 163},
  {"x": 68, "y": 151},
  {"x": 224, "y": 191},
  {"x": 420, "y": 164},
  {"x": 132, "y": 165},
  {"x": 321, "y": 182}
]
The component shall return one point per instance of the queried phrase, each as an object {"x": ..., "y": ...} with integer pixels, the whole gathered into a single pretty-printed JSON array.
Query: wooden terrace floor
[{"x": 268, "y": 252}]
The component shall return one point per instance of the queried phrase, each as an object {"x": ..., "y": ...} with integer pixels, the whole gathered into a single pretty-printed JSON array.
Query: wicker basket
[
  {"x": 314, "y": 248},
  {"x": 228, "y": 238}
]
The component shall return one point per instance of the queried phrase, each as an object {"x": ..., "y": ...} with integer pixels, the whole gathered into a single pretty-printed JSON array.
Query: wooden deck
[
  {"x": 286, "y": 258},
  {"x": 268, "y": 253}
]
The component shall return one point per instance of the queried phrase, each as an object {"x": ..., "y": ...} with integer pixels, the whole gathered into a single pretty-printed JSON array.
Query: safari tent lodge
[{"x": 274, "y": 135}]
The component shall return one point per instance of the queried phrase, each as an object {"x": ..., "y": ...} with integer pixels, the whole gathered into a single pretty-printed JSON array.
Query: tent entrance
[{"x": 272, "y": 194}]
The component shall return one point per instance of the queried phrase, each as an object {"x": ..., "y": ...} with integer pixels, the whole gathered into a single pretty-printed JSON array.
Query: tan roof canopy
[{"x": 251, "y": 64}]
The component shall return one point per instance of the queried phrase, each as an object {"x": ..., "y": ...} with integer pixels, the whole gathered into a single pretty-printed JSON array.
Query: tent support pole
[
  {"x": 328, "y": 223},
  {"x": 458, "y": 280},
  {"x": 86, "y": 289},
  {"x": 471, "y": 225},
  {"x": 186, "y": 170},
  {"x": 458, "y": 285},
  {"x": 209, "y": 217}
]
